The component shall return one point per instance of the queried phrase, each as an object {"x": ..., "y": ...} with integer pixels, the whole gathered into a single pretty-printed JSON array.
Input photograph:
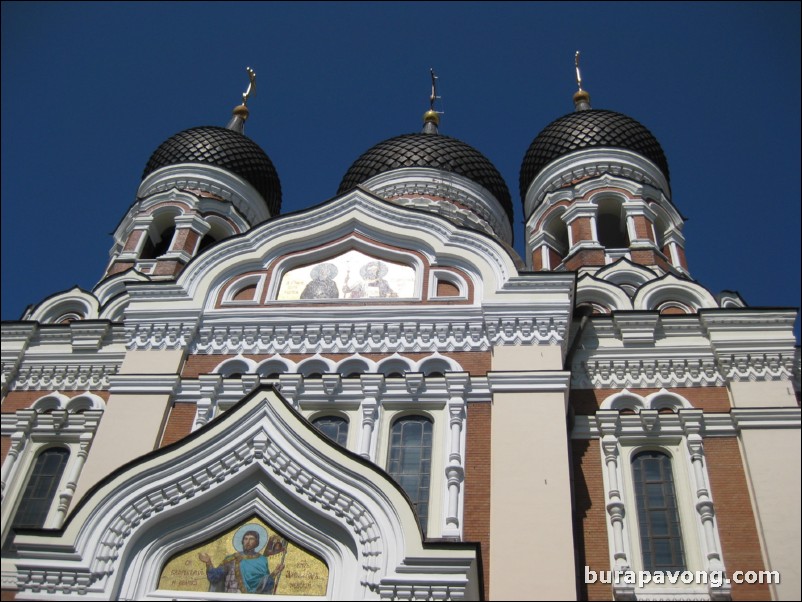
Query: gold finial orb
[
  {"x": 431, "y": 116},
  {"x": 581, "y": 96}
]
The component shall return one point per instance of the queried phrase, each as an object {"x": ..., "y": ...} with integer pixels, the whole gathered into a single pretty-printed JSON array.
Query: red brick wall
[
  {"x": 446, "y": 289},
  {"x": 643, "y": 229},
  {"x": 5, "y": 445},
  {"x": 709, "y": 399},
  {"x": 554, "y": 258},
  {"x": 736, "y": 520},
  {"x": 20, "y": 400},
  {"x": 537, "y": 259},
  {"x": 246, "y": 293},
  {"x": 581, "y": 230},
  {"x": 476, "y": 527},
  {"x": 179, "y": 423},
  {"x": 585, "y": 257},
  {"x": 683, "y": 261},
  {"x": 133, "y": 240},
  {"x": 590, "y": 519},
  {"x": 168, "y": 267},
  {"x": 119, "y": 266}
]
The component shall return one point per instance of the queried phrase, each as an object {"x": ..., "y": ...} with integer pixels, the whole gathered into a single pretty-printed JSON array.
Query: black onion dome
[
  {"x": 589, "y": 129},
  {"x": 223, "y": 148},
  {"x": 429, "y": 150}
]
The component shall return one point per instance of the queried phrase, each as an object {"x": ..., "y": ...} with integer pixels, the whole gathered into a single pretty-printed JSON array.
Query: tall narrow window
[
  {"x": 410, "y": 461},
  {"x": 41, "y": 488},
  {"x": 658, "y": 518},
  {"x": 334, "y": 427}
]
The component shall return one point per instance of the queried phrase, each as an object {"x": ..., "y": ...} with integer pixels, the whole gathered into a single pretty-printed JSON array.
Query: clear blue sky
[{"x": 89, "y": 90}]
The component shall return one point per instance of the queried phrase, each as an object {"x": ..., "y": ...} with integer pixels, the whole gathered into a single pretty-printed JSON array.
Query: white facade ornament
[
  {"x": 263, "y": 460},
  {"x": 649, "y": 429}
]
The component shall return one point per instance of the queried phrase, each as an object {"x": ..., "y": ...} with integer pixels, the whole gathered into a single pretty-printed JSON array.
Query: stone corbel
[
  {"x": 211, "y": 385},
  {"x": 372, "y": 388}
]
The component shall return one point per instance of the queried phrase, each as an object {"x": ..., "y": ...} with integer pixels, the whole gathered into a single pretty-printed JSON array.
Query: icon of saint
[
  {"x": 322, "y": 285},
  {"x": 247, "y": 571},
  {"x": 373, "y": 284}
]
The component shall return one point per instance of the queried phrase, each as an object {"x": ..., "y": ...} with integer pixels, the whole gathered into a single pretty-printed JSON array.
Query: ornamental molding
[
  {"x": 138, "y": 384},
  {"x": 358, "y": 211},
  {"x": 260, "y": 458},
  {"x": 418, "y": 181},
  {"x": 753, "y": 367},
  {"x": 680, "y": 436},
  {"x": 618, "y": 165},
  {"x": 378, "y": 336},
  {"x": 209, "y": 178},
  {"x": 646, "y": 373},
  {"x": 332, "y": 391},
  {"x": 142, "y": 335},
  {"x": 719, "y": 424},
  {"x": 76, "y": 375}
]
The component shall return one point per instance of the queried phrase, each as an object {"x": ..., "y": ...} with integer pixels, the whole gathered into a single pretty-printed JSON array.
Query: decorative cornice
[
  {"x": 145, "y": 383},
  {"x": 74, "y": 375},
  {"x": 160, "y": 335},
  {"x": 751, "y": 367},
  {"x": 370, "y": 337},
  {"x": 675, "y": 425},
  {"x": 588, "y": 163},
  {"x": 644, "y": 373},
  {"x": 220, "y": 182}
]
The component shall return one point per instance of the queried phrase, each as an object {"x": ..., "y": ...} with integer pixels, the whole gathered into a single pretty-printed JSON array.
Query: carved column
[
  {"x": 372, "y": 386},
  {"x": 25, "y": 420},
  {"x": 616, "y": 509},
  {"x": 457, "y": 384},
  {"x": 65, "y": 495},
  {"x": 692, "y": 422}
]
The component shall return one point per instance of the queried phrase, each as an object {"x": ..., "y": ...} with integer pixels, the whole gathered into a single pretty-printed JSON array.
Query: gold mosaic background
[{"x": 303, "y": 574}]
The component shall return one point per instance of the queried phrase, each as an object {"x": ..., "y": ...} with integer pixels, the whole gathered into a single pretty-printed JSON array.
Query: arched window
[
  {"x": 611, "y": 225},
  {"x": 41, "y": 488},
  {"x": 658, "y": 518},
  {"x": 410, "y": 461},
  {"x": 334, "y": 427},
  {"x": 157, "y": 244}
]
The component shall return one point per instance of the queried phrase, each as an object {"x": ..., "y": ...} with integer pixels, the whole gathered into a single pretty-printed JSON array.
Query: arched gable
[
  {"x": 356, "y": 220},
  {"x": 261, "y": 459},
  {"x": 670, "y": 289}
]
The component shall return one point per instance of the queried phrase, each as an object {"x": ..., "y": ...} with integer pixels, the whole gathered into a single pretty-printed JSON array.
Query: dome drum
[
  {"x": 453, "y": 196},
  {"x": 222, "y": 183},
  {"x": 450, "y": 161},
  {"x": 569, "y": 170},
  {"x": 586, "y": 130}
]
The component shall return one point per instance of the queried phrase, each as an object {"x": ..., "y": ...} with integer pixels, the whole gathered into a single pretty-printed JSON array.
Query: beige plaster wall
[
  {"x": 772, "y": 394},
  {"x": 519, "y": 357},
  {"x": 132, "y": 423},
  {"x": 772, "y": 459},
  {"x": 531, "y": 547},
  {"x": 152, "y": 362}
]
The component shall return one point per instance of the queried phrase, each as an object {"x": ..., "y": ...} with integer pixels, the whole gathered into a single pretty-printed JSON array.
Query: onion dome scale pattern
[
  {"x": 433, "y": 151},
  {"x": 592, "y": 128},
  {"x": 226, "y": 149}
]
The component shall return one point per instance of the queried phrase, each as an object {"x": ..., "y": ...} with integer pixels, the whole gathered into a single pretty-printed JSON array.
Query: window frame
[
  {"x": 343, "y": 420},
  {"x": 430, "y": 506}
]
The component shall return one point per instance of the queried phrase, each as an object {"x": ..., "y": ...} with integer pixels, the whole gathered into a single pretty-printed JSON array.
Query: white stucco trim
[{"x": 260, "y": 458}]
